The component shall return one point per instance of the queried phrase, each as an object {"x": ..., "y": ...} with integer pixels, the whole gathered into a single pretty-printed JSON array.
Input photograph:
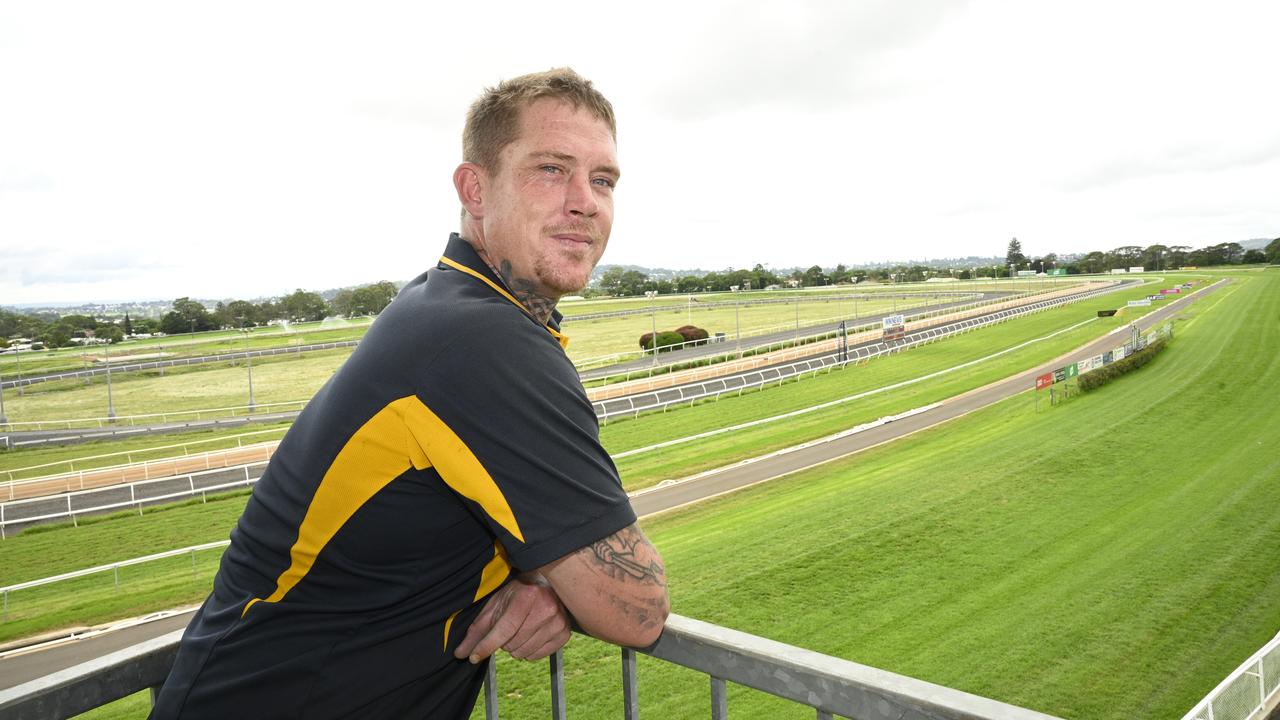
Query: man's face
[{"x": 548, "y": 209}]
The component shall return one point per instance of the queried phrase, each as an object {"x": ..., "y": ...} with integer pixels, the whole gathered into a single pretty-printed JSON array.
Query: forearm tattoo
[{"x": 627, "y": 553}]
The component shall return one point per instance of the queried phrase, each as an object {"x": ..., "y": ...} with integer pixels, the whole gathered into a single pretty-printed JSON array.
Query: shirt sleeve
[{"x": 514, "y": 402}]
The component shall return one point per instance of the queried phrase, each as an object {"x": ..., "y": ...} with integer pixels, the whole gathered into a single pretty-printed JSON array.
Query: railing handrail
[
  {"x": 112, "y": 566},
  {"x": 829, "y": 684},
  {"x": 1253, "y": 668}
]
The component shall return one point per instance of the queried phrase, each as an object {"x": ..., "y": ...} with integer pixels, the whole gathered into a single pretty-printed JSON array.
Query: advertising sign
[
  {"x": 1073, "y": 370},
  {"x": 1155, "y": 297},
  {"x": 1108, "y": 357},
  {"x": 1139, "y": 303},
  {"x": 1099, "y": 362},
  {"x": 1106, "y": 313},
  {"x": 1044, "y": 381},
  {"x": 1135, "y": 268},
  {"x": 1117, "y": 354},
  {"x": 1059, "y": 375},
  {"x": 1085, "y": 365},
  {"x": 895, "y": 326}
]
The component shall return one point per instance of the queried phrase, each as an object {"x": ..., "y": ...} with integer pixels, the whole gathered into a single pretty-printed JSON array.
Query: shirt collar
[{"x": 460, "y": 255}]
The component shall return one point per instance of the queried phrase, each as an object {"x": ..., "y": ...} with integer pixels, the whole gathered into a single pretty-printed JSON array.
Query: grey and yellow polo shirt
[{"x": 455, "y": 444}]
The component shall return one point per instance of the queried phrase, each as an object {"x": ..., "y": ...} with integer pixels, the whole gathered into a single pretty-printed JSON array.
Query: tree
[
  {"x": 1177, "y": 256},
  {"x": 187, "y": 316},
  {"x": 128, "y": 325},
  {"x": 689, "y": 284},
  {"x": 238, "y": 313},
  {"x": 1154, "y": 257},
  {"x": 1125, "y": 256},
  {"x": 1273, "y": 252},
  {"x": 1014, "y": 255},
  {"x": 620, "y": 282},
  {"x": 813, "y": 277},
  {"x": 1253, "y": 257},
  {"x": 56, "y": 335},
  {"x": 372, "y": 299},
  {"x": 1094, "y": 262},
  {"x": 111, "y": 333},
  {"x": 303, "y": 306}
]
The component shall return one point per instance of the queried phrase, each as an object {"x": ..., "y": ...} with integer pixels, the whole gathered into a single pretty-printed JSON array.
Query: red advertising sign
[{"x": 1044, "y": 381}]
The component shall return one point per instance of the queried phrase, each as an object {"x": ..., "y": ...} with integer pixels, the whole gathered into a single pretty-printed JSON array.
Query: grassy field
[
  {"x": 186, "y": 345},
  {"x": 646, "y": 469},
  {"x": 1112, "y": 557},
  {"x": 226, "y": 384},
  {"x": 84, "y": 456}
]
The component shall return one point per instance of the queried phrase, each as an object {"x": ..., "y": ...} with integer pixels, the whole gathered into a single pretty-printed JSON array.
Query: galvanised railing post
[
  {"x": 719, "y": 699},
  {"x": 491, "y": 689},
  {"x": 557, "y": 686},
  {"x": 630, "y": 693}
]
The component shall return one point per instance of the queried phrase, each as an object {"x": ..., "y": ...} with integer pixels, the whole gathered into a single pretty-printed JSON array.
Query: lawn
[{"x": 217, "y": 385}]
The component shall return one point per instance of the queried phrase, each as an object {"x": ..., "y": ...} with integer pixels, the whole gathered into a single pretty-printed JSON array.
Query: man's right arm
[{"x": 615, "y": 588}]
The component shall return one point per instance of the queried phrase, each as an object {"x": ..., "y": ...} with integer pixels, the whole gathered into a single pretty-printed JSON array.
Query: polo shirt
[{"x": 455, "y": 447}]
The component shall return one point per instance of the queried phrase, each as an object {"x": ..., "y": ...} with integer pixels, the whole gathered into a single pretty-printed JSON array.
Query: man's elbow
[{"x": 649, "y": 625}]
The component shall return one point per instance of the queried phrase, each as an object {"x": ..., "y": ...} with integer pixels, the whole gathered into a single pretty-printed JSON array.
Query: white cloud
[{"x": 152, "y": 149}]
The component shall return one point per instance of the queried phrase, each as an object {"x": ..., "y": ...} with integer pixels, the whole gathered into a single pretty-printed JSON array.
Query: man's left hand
[{"x": 525, "y": 618}]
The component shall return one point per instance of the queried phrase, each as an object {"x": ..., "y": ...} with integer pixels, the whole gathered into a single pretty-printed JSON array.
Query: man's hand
[{"x": 525, "y": 618}]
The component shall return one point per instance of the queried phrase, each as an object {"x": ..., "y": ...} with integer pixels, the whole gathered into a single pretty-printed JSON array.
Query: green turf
[
  {"x": 26, "y": 463},
  {"x": 293, "y": 378},
  {"x": 1110, "y": 557},
  {"x": 649, "y": 468}
]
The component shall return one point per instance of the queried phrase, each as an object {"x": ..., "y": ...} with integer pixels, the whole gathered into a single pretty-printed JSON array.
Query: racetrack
[{"x": 17, "y": 668}]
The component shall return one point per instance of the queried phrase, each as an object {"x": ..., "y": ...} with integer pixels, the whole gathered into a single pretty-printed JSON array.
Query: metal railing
[
  {"x": 86, "y": 461},
  {"x": 173, "y": 416},
  {"x": 829, "y": 685},
  {"x": 1251, "y": 692},
  {"x": 123, "y": 496},
  {"x": 113, "y": 568}
]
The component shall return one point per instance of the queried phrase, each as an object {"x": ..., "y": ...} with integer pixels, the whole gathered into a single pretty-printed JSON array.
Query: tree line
[
  {"x": 620, "y": 282},
  {"x": 1152, "y": 257},
  {"x": 189, "y": 316}
]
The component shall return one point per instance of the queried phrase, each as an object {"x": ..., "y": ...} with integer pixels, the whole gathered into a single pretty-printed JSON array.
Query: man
[{"x": 445, "y": 494}]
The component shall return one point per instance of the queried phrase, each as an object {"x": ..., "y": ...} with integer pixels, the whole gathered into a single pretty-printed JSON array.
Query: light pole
[
  {"x": 111, "y": 408},
  {"x": 4, "y": 419},
  {"x": 653, "y": 314},
  {"x": 248, "y": 363},
  {"x": 737, "y": 319},
  {"x": 797, "y": 320}
]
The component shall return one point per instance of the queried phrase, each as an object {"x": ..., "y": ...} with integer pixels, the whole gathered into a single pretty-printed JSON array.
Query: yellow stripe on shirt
[
  {"x": 559, "y": 336},
  {"x": 494, "y": 574},
  {"x": 403, "y": 434}
]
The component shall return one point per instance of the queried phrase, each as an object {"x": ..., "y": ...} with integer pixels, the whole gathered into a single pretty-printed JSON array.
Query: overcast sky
[{"x": 238, "y": 150}]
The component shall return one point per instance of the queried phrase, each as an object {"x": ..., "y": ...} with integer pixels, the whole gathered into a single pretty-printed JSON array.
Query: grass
[
  {"x": 83, "y": 456},
  {"x": 1110, "y": 557},
  {"x": 51, "y": 550},
  {"x": 296, "y": 378},
  {"x": 647, "y": 469}
]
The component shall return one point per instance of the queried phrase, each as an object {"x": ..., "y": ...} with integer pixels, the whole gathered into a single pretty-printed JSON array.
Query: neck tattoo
[{"x": 538, "y": 305}]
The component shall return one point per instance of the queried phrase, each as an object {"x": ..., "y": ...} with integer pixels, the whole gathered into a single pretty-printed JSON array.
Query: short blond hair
[{"x": 493, "y": 122}]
